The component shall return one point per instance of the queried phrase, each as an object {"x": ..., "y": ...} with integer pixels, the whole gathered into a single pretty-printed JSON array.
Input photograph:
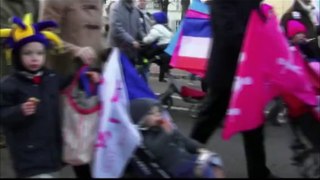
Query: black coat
[
  {"x": 229, "y": 20},
  {"x": 296, "y": 12},
  {"x": 34, "y": 141}
]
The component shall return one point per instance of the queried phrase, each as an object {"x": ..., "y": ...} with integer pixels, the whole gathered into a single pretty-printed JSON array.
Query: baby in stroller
[{"x": 178, "y": 155}]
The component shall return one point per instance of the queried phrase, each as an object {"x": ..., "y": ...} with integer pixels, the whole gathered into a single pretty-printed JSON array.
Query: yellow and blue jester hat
[{"x": 23, "y": 32}]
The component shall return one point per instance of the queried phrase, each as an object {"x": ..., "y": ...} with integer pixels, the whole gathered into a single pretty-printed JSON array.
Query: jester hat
[{"x": 23, "y": 32}]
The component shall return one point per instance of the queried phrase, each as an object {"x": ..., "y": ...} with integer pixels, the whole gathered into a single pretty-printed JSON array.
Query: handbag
[{"x": 80, "y": 123}]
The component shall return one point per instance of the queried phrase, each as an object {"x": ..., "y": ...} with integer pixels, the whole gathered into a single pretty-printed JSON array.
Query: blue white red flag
[{"x": 117, "y": 136}]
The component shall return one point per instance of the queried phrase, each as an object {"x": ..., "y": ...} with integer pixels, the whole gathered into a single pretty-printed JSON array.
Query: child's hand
[
  {"x": 94, "y": 76},
  {"x": 166, "y": 126},
  {"x": 28, "y": 108}
]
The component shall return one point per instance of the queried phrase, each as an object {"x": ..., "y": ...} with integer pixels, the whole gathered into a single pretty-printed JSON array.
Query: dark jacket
[
  {"x": 34, "y": 141},
  {"x": 296, "y": 12},
  {"x": 229, "y": 25},
  {"x": 171, "y": 150}
]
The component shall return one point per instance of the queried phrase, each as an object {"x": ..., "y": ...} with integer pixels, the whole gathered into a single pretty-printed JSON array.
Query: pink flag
[{"x": 267, "y": 67}]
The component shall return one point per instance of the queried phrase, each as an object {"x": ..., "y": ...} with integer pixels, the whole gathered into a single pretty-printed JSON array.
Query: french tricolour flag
[
  {"x": 117, "y": 136},
  {"x": 191, "y": 44}
]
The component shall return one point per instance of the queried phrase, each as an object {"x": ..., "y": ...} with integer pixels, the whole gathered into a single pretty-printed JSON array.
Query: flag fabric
[
  {"x": 117, "y": 136},
  {"x": 194, "y": 44},
  {"x": 195, "y": 5},
  {"x": 268, "y": 67},
  {"x": 187, "y": 53}
]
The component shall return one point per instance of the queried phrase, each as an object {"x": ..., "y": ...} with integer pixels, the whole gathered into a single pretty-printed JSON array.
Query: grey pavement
[{"x": 277, "y": 141}]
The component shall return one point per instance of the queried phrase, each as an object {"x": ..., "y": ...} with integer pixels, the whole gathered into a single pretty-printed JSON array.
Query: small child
[
  {"x": 302, "y": 116},
  {"x": 29, "y": 104},
  {"x": 160, "y": 34},
  {"x": 296, "y": 33},
  {"x": 180, "y": 156}
]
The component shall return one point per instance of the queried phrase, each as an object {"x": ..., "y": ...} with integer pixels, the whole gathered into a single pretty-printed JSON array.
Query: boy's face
[
  {"x": 154, "y": 117},
  {"x": 33, "y": 56},
  {"x": 299, "y": 38}
]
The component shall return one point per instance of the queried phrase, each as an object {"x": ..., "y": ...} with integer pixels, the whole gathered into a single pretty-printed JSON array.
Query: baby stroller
[
  {"x": 143, "y": 164},
  {"x": 151, "y": 161},
  {"x": 188, "y": 94}
]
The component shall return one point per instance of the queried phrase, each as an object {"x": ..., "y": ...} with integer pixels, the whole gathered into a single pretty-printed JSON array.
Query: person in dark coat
[
  {"x": 229, "y": 20},
  {"x": 301, "y": 11},
  {"x": 29, "y": 104},
  {"x": 180, "y": 156}
]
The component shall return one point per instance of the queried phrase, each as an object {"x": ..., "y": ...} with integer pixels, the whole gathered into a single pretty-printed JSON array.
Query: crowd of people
[{"x": 30, "y": 101}]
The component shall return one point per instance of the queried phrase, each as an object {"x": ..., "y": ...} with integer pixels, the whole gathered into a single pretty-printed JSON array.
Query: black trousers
[
  {"x": 150, "y": 52},
  {"x": 212, "y": 113},
  {"x": 309, "y": 126},
  {"x": 82, "y": 171}
]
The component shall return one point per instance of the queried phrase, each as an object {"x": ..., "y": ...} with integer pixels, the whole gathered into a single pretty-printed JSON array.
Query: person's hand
[
  {"x": 86, "y": 54},
  {"x": 218, "y": 172},
  {"x": 94, "y": 76},
  {"x": 166, "y": 126},
  {"x": 136, "y": 44},
  {"x": 29, "y": 107}
]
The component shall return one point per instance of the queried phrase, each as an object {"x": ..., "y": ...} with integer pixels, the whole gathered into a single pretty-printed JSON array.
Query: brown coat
[{"x": 80, "y": 24}]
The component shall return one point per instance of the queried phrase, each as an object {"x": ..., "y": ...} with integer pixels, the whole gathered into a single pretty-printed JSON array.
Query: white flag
[{"x": 117, "y": 137}]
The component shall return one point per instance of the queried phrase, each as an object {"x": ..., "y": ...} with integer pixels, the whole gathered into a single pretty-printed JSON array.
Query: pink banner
[{"x": 267, "y": 67}]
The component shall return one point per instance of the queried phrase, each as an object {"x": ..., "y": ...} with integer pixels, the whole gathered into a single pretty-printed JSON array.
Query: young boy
[
  {"x": 29, "y": 104},
  {"x": 178, "y": 155}
]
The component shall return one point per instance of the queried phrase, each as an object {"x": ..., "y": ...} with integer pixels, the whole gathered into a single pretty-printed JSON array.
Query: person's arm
[
  {"x": 151, "y": 37},
  {"x": 94, "y": 74},
  {"x": 116, "y": 27},
  {"x": 10, "y": 111},
  {"x": 191, "y": 145},
  {"x": 54, "y": 10}
]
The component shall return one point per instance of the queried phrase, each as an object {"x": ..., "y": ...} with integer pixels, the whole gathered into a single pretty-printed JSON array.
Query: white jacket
[{"x": 158, "y": 32}]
